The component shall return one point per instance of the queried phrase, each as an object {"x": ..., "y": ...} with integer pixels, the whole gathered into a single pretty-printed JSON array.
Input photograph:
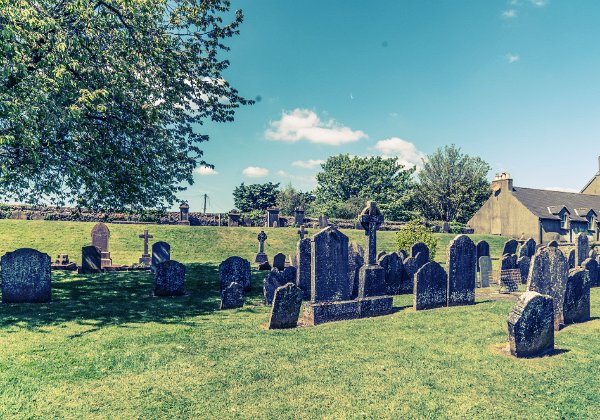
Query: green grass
[{"x": 106, "y": 348}]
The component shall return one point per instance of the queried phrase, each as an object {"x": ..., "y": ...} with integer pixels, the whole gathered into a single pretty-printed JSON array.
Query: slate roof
[{"x": 543, "y": 202}]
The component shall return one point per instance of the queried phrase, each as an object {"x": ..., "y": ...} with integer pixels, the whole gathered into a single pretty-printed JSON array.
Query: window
[
  {"x": 564, "y": 220},
  {"x": 591, "y": 222}
]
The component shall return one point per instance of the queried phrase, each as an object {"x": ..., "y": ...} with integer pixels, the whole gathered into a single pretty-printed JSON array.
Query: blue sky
[{"x": 516, "y": 82}]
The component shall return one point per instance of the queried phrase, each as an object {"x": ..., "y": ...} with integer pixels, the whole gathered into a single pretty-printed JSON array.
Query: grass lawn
[{"x": 106, "y": 348}]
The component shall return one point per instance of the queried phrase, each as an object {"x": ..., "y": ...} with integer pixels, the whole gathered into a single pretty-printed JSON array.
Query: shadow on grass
[{"x": 120, "y": 298}]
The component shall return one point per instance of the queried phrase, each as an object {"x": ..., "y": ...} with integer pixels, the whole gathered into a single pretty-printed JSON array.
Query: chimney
[
  {"x": 598, "y": 165},
  {"x": 503, "y": 182}
]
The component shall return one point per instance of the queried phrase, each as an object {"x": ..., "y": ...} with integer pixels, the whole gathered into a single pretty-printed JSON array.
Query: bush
[
  {"x": 414, "y": 232},
  {"x": 456, "y": 227}
]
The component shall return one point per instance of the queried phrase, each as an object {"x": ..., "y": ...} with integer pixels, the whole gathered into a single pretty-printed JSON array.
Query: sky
[{"x": 516, "y": 82}]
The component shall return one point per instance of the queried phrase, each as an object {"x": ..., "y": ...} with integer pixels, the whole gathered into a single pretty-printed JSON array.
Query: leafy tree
[
  {"x": 289, "y": 198},
  {"x": 346, "y": 183},
  {"x": 255, "y": 196},
  {"x": 452, "y": 186},
  {"x": 99, "y": 98},
  {"x": 413, "y": 232}
]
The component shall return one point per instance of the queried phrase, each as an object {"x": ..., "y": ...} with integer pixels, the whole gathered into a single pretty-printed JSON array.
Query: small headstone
[
  {"x": 276, "y": 224},
  {"x": 272, "y": 217},
  {"x": 169, "y": 279},
  {"x": 329, "y": 264},
  {"x": 184, "y": 214},
  {"x": 279, "y": 261},
  {"x": 161, "y": 252},
  {"x": 572, "y": 258},
  {"x": 593, "y": 254},
  {"x": 232, "y": 296},
  {"x": 446, "y": 227},
  {"x": 235, "y": 269},
  {"x": 510, "y": 247},
  {"x": 420, "y": 252},
  {"x": 509, "y": 280},
  {"x": 272, "y": 281},
  {"x": 509, "y": 262},
  {"x": 462, "y": 271},
  {"x": 323, "y": 222},
  {"x": 25, "y": 276},
  {"x": 261, "y": 258},
  {"x": 91, "y": 260},
  {"x": 394, "y": 273},
  {"x": 286, "y": 307},
  {"x": 304, "y": 264},
  {"x": 576, "y": 307},
  {"x": 529, "y": 247},
  {"x": 483, "y": 250},
  {"x": 592, "y": 266},
  {"x": 234, "y": 218},
  {"x": 100, "y": 237},
  {"x": 381, "y": 254},
  {"x": 531, "y": 326},
  {"x": 247, "y": 222},
  {"x": 582, "y": 248},
  {"x": 485, "y": 271},
  {"x": 431, "y": 287},
  {"x": 298, "y": 216},
  {"x": 145, "y": 259}
]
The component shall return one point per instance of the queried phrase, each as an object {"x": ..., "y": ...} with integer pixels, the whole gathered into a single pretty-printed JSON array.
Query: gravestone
[
  {"x": 234, "y": 218},
  {"x": 485, "y": 270},
  {"x": 523, "y": 264},
  {"x": 431, "y": 287},
  {"x": 510, "y": 247},
  {"x": 371, "y": 276},
  {"x": 509, "y": 280},
  {"x": 272, "y": 217},
  {"x": 394, "y": 273},
  {"x": 304, "y": 264},
  {"x": 592, "y": 266},
  {"x": 279, "y": 261},
  {"x": 576, "y": 307},
  {"x": 169, "y": 279},
  {"x": 276, "y": 224},
  {"x": 25, "y": 276},
  {"x": 329, "y": 266},
  {"x": 261, "y": 258},
  {"x": 462, "y": 271},
  {"x": 355, "y": 262},
  {"x": 100, "y": 237},
  {"x": 161, "y": 252},
  {"x": 286, "y": 307},
  {"x": 184, "y": 214},
  {"x": 446, "y": 227},
  {"x": 531, "y": 326},
  {"x": 483, "y": 250},
  {"x": 553, "y": 244},
  {"x": 272, "y": 281},
  {"x": 380, "y": 255},
  {"x": 62, "y": 263},
  {"x": 91, "y": 260},
  {"x": 302, "y": 232},
  {"x": 402, "y": 254},
  {"x": 410, "y": 268},
  {"x": 548, "y": 275},
  {"x": 145, "y": 259},
  {"x": 247, "y": 222},
  {"x": 528, "y": 248},
  {"x": 582, "y": 248},
  {"x": 289, "y": 274},
  {"x": 232, "y": 296},
  {"x": 420, "y": 252},
  {"x": 298, "y": 216},
  {"x": 572, "y": 258},
  {"x": 508, "y": 262},
  {"x": 323, "y": 222},
  {"x": 593, "y": 254},
  {"x": 235, "y": 269}
]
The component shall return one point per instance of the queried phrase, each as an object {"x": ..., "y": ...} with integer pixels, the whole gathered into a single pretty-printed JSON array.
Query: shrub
[{"x": 413, "y": 232}]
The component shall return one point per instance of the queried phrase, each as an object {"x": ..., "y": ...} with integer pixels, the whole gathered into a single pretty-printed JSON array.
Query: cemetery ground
[{"x": 105, "y": 347}]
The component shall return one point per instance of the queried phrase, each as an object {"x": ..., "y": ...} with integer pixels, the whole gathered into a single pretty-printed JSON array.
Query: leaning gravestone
[
  {"x": 582, "y": 248},
  {"x": 25, "y": 276},
  {"x": 279, "y": 261},
  {"x": 591, "y": 265},
  {"x": 232, "y": 296},
  {"x": 523, "y": 264},
  {"x": 286, "y": 307},
  {"x": 431, "y": 287},
  {"x": 169, "y": 279},
  {"x": 485, "y": 271},
  {"x": 531, "y": 326},
  {"x": 272, "y": 281},
  {"x": 161, "y": 252},
  {"x": 91, "y": 260},
  {"x": 329, "y": 265},
  {"x": 355, "y": 262},
  {"x": 235, "y": 269},
  {"x": 548, "y": 275},
  {"x": 462, "y": 271},
  {"x": 394, "y": 272},
  {"x": 510, "y": 247},
  {"x": 303, "y": 273},
  {"x": 577, "y": 296}
]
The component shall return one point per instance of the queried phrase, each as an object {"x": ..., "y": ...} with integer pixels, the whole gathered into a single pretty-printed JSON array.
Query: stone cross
[
  {"x": 145, "y": 237},
  {"x": 370, "y": 219},
  {"x": 262, "y": 237},
  {"x": 302, "y": 232}
]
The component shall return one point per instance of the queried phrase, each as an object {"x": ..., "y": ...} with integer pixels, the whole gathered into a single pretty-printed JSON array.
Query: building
[{"x": 540, "y": 214}]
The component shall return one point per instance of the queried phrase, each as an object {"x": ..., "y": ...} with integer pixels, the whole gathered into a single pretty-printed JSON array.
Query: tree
[
  {"x": 452, "y": 186},
  {"x": 255, "y": 196},
  {"x": 99, "y": 98},
  {"x": 346, "y": 183},
  {"x": 289, "y": 198},
  {"x": 413, "y": 232}
]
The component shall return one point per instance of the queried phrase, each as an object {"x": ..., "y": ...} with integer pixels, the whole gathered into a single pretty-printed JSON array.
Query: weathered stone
[
  {"x": 483, "y": 249},
  {"x": 576, "y": 307},
  {"x": 528, "y": 248},
  {"x": 508, "y": 262},
  {"x": 232, "y": 296},
  {"x": 462, "y": 271},
  {"x": 329, "y": 266},
  {"x": 572, "y": 258},
  {"x": 272, "y": 281},
  {"x": 420, "y": 252},
  {"x": 485, "y": 270},
  {"x": 234, "y": 218},
  {"x": 100, "y": 237},
  {"x": 548, "y": 275},
  {"x": 381, "y": 254},
  {"x": 431, "y": 287},
  {"x": 169, "y": 279},
  {"x": 235, "y": 269},
  {"x": 593, "y": 254},
  {"x": 304, "y": 271},
  {"x": 592, "y": 266},
  {"x": 323, "y": 222},
  {"x": 91, "y": 260},
  {"x": 261, "y": 257},
  {"x": 582, "y": 248},
  {"x": 247, "y": 222},
  {"x": 145, "y": 259},
  {"x": 371, "y": 281},
  {"x": 371, "y": 218},
  {"x": 531, "y": 326},
  {"x": 161, "y": 252},
  {"x": 355, "y": 262},
  {"x": 62, "y": 263},
  {"x": 523, "y": 264},
  {"x": 286, "y": 307},
  {"x": 410, "y": 268},
  {"x": 279, "y": 261},
  {"x": 320, "y": 313},
  {"x": 272, "y": 217},
  {"x": 510, "y": 247},
  {"x": 184, "y": 214},
  {"x": 25, "y": 276},
  {"x": 394, "y": 273},
  {"x": 298, "y": 216},
  {"x": 289, "y": 274}
]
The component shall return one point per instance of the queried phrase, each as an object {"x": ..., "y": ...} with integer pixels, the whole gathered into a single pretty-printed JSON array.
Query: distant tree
[
  {"x": 346, "y": 183},
  {"x": 413, "y": 232},
  {"x": 452, "y": 186},
  {"x": 290, "y": 198},
  {"x": 255, "y": 196},
  {"x": 101, "y": 100}
]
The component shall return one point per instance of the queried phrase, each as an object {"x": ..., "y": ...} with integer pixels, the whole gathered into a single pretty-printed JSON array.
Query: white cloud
[
  {"x": 255, "y": 172},
  {"x": 205, "y": 171},
  {"x": 539, "y": 3},
  {"x": 304, "y": 124},
  {"x": 308, "y": 180},
  {"x": 509, "y": 14},
  {"x": 406, "y": 152},
  {"x": 512, "y": 58},
  {"x": 307, "y": 164},
  {"x": 562, "y": 189}
]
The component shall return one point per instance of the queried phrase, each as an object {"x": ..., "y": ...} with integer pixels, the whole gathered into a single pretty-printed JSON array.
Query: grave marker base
[{"x": 320, "y": 313}]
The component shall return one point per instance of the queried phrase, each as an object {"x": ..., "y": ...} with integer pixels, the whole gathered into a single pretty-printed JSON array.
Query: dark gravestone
[
  {"x": 485, "y": 271},
  {"x": 509, "y": 262},
  {"x": 91, "y": 260},
  {"x": 528, "y": 248},
  {"x": 303, "y": 273},
  {"x": 531, "y": 326},
  {"x": 483, "y": 250},
  {"x": 355, "y": 262},
  {"x": 184, "y": 214},
  {"x": 161, "y": 252},
  {"x": 298, "y": 216},
  {"x": 329, "y": 266},
  {"x": 169, "y": 279},
  {"x": 410, "y": 268},
  {"x": 576, "y": 307},
  {"x": 523, "y": 264},
  {"x": 100, "y": 237},
  {"x": 548, "y": 275},
  {"x": 402, "y": 254},
  {"x": 431, "y": 287},
  {"x": 582, "y": 249},
  {"x": 462, "y": 271},
  {"x": 234, "y": 219},
  {"x": 272, "y": 281},
  {"x": 247, "y": 222},
  {"x": 572, "y": 258},
  {"x": 232, "y": 296},
  {"x": 25, "y": 276},
  {"x": 286, "y": 307},
  {"x": 261, "y": 258},
  {"x": 279, "y": 261},
  {"x": 235, "y": 269},
  {"x": 380, "y": 254},
  {"x": 273, "y": 217},
  {"x": 323, "y": 222},
  {"x": 394, "y": 273},
  {"x": 591, "y": 265},
  {"x": 510, "y": 247},
  {"x": 593, "y": 254},
  {"x": 289, "y": 274},
  {"x": 420, "y": 252},
  {"x": 371, "y": 276}
]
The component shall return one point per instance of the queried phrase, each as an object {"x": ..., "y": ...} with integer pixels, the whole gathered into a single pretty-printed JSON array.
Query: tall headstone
[
  {"x": 286, "y": 307},
  {"x": 304, "y": 264},
  {"x": 431, "y": 287},
  {"x": 572, "y": 258},
  {"x": 576, "y": 307},
  {"x": 161, "y": 252},
  {"x": 355, "y": 262},
  {"x": 523, "y": 264},
  {"x": 232, "y": 296},
  {"x": 298, "y": 216},
  {"x": 394, "y": 273},
  {"x": 279, "y": 261},
  {"x": 235, "y": 269},
  {"x": 25, "y": 276},
  {"x": 329, "y": 266},
  {"x": 100, "y": 239},
  {"x": 234, "y": 218},
  {"x": 531, "y": 326},
  {"x": 145, "y": 259},
  {"x": 184, "y": 214},
  {"x": 371, "y": 276},
  {"x": 91, "y": 260},
  {"x": 592, "y": 266},
  {"x": 462, "y": 271},
  {"x": 582, "y": 248},
  {"x": 273, "y": 217},
  {"x": 510, "y": 247},
  {"x": 548, "y": 275},
  {"x": 169, "y": 279},
  {"x": 261, "y": 257},
  {"x": 485, "y": 270}
]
